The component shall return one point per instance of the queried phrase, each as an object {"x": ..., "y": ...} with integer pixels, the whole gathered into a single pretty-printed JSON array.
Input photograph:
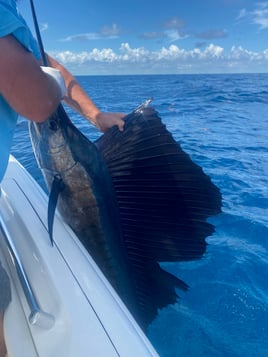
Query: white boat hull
[{"x": 78, "y": 312}]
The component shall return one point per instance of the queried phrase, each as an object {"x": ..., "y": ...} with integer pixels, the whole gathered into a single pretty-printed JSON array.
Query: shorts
[{"x": 5, "y": 290}]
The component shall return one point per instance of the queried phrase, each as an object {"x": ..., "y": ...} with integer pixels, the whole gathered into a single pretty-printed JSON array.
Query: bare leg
[{"x": 2, "y": 340}]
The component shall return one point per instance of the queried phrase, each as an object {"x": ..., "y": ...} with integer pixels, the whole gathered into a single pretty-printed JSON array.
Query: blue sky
[{"x": 145, "y": 36}]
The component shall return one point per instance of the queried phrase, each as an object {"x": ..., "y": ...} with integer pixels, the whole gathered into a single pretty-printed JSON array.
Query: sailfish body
[
  {"x": 134, "y": 199},
  {"x": 86, "y": 200}
]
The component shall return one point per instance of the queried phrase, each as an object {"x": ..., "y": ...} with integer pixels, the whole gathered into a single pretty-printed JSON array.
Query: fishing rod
[
  {"x": 38, "y": 35},
  {"x": 57, "y": 184}
]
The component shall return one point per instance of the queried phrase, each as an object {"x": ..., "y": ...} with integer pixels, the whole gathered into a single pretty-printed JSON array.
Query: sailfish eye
[{"x": 53, "y": 124}]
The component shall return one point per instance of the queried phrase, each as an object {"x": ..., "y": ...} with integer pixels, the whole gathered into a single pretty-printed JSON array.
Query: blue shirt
[{"x": 11, "y": 22}]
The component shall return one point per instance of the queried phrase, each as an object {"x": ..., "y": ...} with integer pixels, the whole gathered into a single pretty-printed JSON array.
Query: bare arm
[
  {"x": 80, "y": 101},
  {"x": 28, "y": 90}
]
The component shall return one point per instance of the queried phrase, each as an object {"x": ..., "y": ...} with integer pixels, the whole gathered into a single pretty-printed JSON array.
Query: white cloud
[
  {"x": 44, "y": 27},
  {"x": 265, "y": 54},
  {"x": 239, "y": 53},
  {"x": 258, "y": 16},
  {"x": 242, "y": 14},
  {"x": 172, "y": 59},
  {"x": 175, "y": 35},
  {"x": 104, "y": 55},
  {"x": 82, "y": 37},
  {"x": 107, "y": 32},
  {"x": 140, "y": 54},
  {"x": 213, "y": 51},
  {"x": 171, "y": 53}
]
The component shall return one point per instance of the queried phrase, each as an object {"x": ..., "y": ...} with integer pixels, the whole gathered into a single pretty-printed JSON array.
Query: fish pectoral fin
[{"x": 56, "y": 188}]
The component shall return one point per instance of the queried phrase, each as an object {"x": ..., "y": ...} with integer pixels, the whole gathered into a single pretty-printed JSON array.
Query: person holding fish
[{"x": 34, "y": 92}]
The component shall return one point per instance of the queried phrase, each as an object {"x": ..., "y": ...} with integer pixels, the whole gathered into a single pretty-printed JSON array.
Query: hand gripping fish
[{"x": 133, "y": 198}]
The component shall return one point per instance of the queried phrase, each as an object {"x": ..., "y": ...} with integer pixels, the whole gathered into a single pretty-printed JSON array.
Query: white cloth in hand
[{"x": 56, "y": 75}]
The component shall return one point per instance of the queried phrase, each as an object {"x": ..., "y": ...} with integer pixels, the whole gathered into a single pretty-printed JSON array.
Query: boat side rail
[{"x": 37, "y": 316}]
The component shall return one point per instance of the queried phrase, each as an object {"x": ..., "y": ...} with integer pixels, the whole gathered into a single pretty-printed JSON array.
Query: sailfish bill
[{"x": 134, "y": 199}]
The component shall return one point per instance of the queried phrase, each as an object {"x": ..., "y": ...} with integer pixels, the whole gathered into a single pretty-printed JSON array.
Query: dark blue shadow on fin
[
  {"x": 56, "y": 188},
  {"x": 164, "y": 200}
]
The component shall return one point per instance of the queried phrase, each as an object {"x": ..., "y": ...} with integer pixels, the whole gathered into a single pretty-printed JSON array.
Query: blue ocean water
[{"x": 222, "y": 122}]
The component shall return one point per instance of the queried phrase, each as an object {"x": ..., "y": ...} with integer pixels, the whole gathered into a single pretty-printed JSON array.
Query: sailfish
[{"x": 133, "y": 198}]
